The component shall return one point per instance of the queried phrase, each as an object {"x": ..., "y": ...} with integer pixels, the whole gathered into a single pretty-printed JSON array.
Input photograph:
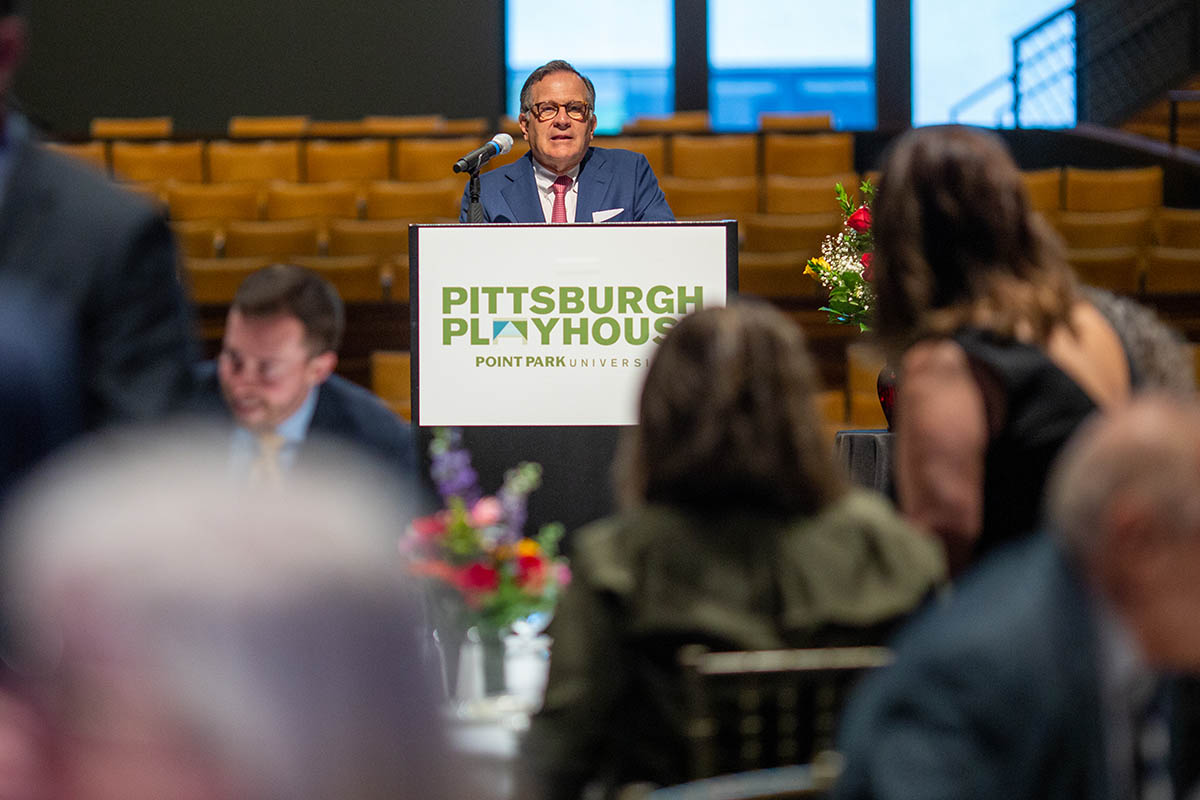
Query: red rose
[
  {"x": 867, "y": 273},
  {"x": 478, "y": 578},
  {"x": 860, "y": 220},
  {"x": 531, "y": 573}
]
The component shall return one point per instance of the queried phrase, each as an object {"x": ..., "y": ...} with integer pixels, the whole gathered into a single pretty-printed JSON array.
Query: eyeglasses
[{"x": 544, "y": 112}]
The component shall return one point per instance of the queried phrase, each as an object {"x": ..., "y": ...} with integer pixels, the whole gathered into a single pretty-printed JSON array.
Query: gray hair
[
  {"x": 548, "y": 69},
  {"x": 273, "y": 626},
  {"x": 1147, "y": 454}
]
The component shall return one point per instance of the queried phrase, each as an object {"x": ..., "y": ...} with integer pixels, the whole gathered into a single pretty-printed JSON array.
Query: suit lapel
[
  {"x": 594, "y": 177},
  {"x": 521, "y": 193}
]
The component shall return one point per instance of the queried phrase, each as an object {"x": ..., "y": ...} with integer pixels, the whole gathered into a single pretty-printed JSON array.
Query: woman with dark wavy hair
[
  {"x": 737, "y": 532},
  {"x": 1001, "y": 356}
]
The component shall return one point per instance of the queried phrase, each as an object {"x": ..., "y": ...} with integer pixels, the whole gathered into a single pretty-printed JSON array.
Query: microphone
[{"x": 472, "y": 161}]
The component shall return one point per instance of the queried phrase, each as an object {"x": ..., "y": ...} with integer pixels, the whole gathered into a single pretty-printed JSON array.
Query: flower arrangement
[
  {"x": 481, "y": 569},
  {"x": 844, "y": 266}
]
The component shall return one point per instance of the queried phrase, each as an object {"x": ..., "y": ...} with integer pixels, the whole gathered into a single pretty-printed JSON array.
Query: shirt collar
[
  {"x": 545, "y": 177},
  {"x": 294, "y": 429}
]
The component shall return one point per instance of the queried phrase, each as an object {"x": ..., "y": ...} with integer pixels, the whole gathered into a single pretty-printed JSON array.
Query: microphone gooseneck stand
[{"x": 474, "y": 207}]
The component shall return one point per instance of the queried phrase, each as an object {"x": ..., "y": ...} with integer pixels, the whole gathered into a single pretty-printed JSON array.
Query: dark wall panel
[
  {"x": 1129, "y": 54},
  {"x": 204, "y": 62}
]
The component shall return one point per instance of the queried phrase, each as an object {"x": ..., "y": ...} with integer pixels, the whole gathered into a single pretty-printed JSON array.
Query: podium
[{"x": 534, "y": 339}]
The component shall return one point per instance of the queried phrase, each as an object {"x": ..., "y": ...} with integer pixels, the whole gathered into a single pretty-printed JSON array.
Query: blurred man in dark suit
[
  {"x": 103, "y": 255},
  {"x": 274, "y": 379},
  {"x": 1048, "y": 674}
]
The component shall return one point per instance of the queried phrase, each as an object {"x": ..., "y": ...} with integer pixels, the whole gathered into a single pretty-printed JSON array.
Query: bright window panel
[
  {"x": 963, "y": 60},
  {"x": 791, "y": 55},
  {"x": 626, "y": 48}
]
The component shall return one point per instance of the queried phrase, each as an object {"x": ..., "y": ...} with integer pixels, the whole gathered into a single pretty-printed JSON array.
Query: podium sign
[{"x": 547, "y": 325}]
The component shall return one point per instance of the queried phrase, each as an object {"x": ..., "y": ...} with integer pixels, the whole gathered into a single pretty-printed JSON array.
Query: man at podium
[{"x": 563, "y": 178}]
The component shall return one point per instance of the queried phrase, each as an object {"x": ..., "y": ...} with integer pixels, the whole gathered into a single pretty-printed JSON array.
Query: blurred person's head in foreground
[
  {"x": 958, "y": 243},
  {"x": 728, "y": 418},
  {"x": 281, "y": 339},
  {"x": 1124, "y": 498},
  {"x": 193, "y": 641}
]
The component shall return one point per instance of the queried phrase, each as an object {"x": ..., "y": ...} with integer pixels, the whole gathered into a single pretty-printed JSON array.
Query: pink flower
[
  {"x": 860, "y": 220},
  {"x": 563, "y": 574},
  {"x": 867, "y": 273},
  {"x": 486, "y": 511}
]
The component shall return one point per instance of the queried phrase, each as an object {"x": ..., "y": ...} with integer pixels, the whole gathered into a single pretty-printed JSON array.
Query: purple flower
[
  {"x": 451, "y": 468},
  {"x": 515, "y": 512}
]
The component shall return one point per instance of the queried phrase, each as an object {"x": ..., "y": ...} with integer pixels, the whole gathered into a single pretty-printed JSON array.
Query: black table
[{"x": 866, "y": 457}]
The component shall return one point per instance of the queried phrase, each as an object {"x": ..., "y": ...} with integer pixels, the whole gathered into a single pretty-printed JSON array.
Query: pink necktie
[{"x": 560, "y": 186}]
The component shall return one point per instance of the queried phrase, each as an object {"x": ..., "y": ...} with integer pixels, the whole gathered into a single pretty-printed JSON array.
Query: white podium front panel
[{"x": 552, "y": 325}]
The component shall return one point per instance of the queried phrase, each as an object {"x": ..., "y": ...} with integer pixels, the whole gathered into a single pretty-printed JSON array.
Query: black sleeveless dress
[{"x": 1043, "y": 407}]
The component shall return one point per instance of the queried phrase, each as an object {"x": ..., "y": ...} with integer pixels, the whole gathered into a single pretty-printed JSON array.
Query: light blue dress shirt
[{"x": 294, "y": 429}]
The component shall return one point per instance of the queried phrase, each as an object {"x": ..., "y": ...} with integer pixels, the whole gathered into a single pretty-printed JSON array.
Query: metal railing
[
  {"x": 1043, "y": 72},
  {"x": 1040, "y": 88}
]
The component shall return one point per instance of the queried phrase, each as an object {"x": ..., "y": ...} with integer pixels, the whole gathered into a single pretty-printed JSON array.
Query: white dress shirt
[{"x": 545, "y": 180}]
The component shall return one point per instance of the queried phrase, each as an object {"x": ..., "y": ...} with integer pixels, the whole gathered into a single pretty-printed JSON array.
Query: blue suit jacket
[
  {"x": 608, "y": 179},
  {"x": 993, "y": 695}
]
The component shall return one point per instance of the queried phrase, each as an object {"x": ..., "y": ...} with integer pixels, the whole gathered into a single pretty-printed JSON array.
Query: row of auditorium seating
[
  {"x": 222, "y": 161},
  {"x": 427, "y": 158},
  {"x": 294, "y": 126},
  {"x": 280, "y": 240},
  {"x": 1154, "y": 270},
  {"x": 298, "y": 126},
  {"x": 364, "y": 278},
  {"x": 1092, "y": 208},
  {"x": 333, "y": 199},
  {"x": 1118, "y": 234}
]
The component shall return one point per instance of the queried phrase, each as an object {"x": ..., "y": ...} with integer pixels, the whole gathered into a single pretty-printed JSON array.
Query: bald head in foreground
[
  {"x": 186, "y": 638},
  {"x": 1044, "y": 674}
]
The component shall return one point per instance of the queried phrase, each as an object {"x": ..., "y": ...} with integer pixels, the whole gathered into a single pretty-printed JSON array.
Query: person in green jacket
[{"x": 737, "y": 531}]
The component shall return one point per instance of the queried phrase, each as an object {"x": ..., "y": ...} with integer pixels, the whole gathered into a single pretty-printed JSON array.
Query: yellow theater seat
[
  {"x": 728, "y": 156},
  {"x": 254, "y": 161},
  {"x": 808, "y": 155},
  {"x": 1112, "y": 189}
]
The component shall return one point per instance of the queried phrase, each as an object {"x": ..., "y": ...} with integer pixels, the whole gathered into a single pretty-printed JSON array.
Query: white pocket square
[{"x": 607, "y": 214}]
